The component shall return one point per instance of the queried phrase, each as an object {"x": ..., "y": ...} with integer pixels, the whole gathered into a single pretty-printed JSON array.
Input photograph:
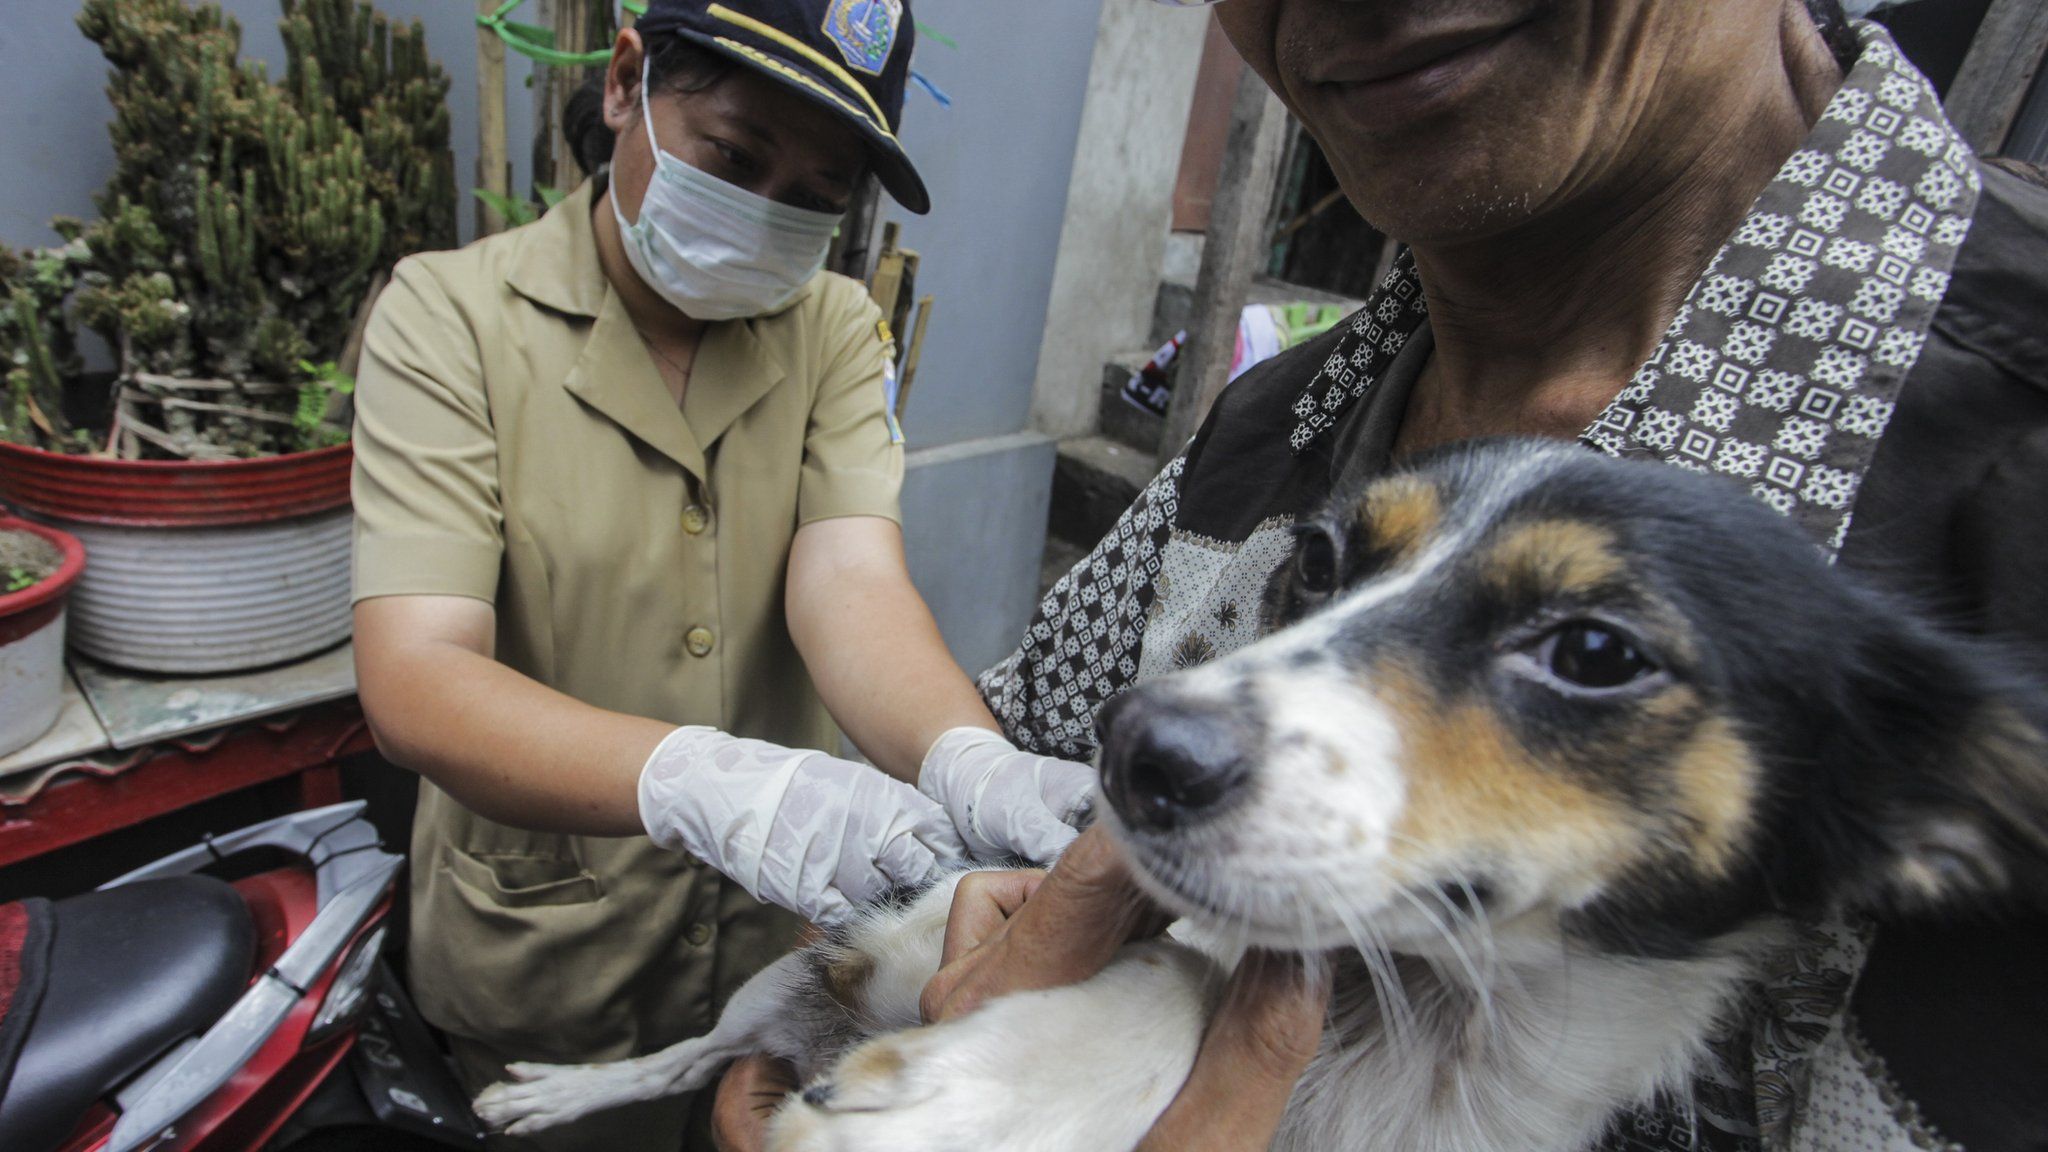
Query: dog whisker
[{"x": 1481, "y": 986}]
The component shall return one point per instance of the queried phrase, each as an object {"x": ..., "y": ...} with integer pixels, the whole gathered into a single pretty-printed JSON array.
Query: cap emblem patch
[{"x": 864, "y": 31}]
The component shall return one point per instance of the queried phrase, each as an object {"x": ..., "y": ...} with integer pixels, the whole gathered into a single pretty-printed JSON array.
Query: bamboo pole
[
  {"x": 493, "y": 167},
  {"x": 578, "y": 28}
]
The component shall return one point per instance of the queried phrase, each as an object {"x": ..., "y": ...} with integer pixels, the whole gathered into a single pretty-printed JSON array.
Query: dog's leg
[
  {"x": 1071, "y": 1069},
  {"x": 541, "y": 1096}
]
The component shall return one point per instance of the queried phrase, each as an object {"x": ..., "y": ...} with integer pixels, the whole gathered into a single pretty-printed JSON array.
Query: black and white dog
[{"x": 1548, "y": 751}]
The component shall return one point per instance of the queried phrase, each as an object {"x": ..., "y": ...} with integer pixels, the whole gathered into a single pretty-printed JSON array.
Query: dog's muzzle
[{"x": 1170, "y": 760}]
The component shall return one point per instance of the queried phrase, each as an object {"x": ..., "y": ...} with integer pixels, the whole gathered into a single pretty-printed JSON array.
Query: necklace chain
[{"x": 681, "y": 368}]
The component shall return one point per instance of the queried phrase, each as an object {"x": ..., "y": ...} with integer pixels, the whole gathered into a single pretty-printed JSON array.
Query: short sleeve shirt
[{"x": 515, "y": 444}]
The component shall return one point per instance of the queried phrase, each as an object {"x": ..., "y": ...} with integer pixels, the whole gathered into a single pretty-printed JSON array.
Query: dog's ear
[
  {"x": 1954, "y": 747},
  {"x": 1984, "y": 829}
]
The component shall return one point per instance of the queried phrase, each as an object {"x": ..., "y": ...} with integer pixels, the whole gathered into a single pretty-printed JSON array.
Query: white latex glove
[
  {"x": 796, "y": 828},
  {"x": 1006, "y": 802}
]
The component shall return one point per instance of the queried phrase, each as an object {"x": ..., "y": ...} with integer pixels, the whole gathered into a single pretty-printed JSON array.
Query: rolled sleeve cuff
[
  {"x": 426, "y": 566},
  {"x": 850, "y": 497}
]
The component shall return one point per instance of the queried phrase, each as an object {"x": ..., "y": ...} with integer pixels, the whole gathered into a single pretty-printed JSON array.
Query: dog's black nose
[{"x": 1168, "y": 762}]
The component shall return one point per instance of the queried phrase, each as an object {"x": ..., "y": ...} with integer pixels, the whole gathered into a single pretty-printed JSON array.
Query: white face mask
[{"x": 715, "y": 250}]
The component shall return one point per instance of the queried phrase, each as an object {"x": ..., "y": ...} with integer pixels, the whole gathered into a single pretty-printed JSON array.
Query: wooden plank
[
  {"x": 493, "y": 168},
  {"x": 1237, "y": 249},
  {"x": 911, "y": 355},
  {"x": 1998, "y": 73},
  {"x": 1201, "y": 150}
]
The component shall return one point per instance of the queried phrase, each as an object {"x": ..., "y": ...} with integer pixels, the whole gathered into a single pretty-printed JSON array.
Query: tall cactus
[{"x": 245, "y": 220}]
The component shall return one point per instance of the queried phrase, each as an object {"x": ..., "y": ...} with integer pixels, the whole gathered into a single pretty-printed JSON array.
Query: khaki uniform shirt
[{"x": 515, "y": 444}]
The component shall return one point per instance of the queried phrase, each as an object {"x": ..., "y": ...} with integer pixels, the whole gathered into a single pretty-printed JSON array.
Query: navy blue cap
[{"x": 851, "y": 56}]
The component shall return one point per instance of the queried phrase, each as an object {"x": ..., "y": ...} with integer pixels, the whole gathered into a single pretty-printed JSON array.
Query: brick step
[{"x": 1093, "y": 480}]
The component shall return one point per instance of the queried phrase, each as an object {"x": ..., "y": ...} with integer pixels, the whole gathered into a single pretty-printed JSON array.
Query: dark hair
[
  {"x": 1835, "y": 31},
  {"x": 674, "y": 65}
]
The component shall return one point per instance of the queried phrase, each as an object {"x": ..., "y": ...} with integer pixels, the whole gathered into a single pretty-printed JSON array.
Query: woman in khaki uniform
[{"x": 626, "y": 498}]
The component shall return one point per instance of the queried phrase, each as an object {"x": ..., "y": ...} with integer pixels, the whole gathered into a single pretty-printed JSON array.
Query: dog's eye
[
  {"x": 1316, "y": 561},
  {"x": 1592, "y": 655}
]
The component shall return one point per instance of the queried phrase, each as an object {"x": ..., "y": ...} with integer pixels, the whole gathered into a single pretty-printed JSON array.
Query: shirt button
[
  {"x": 698, "y": 935},
  {"x": 699, "y": 641},
  {"x": 696, "y": 518}
]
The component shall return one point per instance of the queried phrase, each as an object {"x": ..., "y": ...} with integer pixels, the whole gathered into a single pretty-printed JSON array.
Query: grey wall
[
  {"x": 998, "y": 163},
  {"x": 54, "y": 152},
  {"x": 975, "y": 525}
]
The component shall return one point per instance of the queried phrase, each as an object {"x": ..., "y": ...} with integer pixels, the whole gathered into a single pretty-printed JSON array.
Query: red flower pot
[{"x": 32, "y": 642}]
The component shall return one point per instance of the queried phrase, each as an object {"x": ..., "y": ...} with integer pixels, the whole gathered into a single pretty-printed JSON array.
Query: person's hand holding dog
[{"x": 1020, "y": 931}]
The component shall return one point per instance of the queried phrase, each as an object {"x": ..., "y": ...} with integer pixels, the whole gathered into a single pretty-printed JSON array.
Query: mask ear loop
[{"x": 646, "y": 113}]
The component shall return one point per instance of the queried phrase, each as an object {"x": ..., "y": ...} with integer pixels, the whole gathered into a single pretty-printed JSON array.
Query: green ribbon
[{"x": 537, "y": 43}]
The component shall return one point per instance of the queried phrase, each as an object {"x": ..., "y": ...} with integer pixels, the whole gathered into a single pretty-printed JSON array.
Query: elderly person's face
[{"x": 1457, "y": 119}]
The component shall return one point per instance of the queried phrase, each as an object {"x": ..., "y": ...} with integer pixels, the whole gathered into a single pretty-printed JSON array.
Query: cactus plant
[{"x": 244, "y": 224}]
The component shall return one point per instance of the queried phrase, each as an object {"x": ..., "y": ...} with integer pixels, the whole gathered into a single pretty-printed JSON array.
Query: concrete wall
[
  {"x": 998, "y": 163},
  {"x": 1119, "y": 204},
  {"x": 977, "y": 569}
]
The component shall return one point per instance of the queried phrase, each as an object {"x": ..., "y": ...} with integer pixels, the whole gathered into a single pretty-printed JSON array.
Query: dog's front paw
[{"x": 543, "y": 1096}]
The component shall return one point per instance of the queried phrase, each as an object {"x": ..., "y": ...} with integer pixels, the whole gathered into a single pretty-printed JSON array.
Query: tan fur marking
[
  {"x": 1560, "y": 555},
  {"x": 878, "y": 1060},
  {"x": 846, "y": 979},
  {"x": 1716, "y": 779},
  {"x": 1402, "y": 514},
  {"x": 1474, "y": 793}
]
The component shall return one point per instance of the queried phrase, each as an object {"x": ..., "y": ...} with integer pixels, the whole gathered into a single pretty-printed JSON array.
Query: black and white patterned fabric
[
  {"x": 1784, "y": 364},
  {"x": 1083, "y": 645},
  {"x": 1781, "y": 370}
]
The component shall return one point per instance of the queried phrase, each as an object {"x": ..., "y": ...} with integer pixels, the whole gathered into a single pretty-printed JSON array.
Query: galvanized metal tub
[{"x": 199, "y": 567}]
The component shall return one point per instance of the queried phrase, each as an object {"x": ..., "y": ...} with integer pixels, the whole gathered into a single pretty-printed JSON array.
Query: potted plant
[
  {"x": 245, "y": 231},
  {"x": 38, "y": 567}
]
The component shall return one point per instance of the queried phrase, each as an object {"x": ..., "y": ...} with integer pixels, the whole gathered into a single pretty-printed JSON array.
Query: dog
[{"x": 1546, "y": 751}]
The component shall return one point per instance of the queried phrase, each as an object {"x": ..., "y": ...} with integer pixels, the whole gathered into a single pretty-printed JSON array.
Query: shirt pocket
[
  {"x": 504, "y": 952},
  {"x": 512, "y": 880}
]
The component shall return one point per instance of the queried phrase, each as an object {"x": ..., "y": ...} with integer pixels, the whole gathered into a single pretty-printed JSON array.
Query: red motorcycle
[{"x": 227, "y": 998}]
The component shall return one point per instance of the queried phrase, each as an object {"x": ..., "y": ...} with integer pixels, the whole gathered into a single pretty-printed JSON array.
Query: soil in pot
[{"x": 25, "y": 560}]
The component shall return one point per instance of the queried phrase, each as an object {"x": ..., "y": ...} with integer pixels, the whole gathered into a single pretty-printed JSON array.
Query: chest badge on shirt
[{"x": 864, "y": 31}]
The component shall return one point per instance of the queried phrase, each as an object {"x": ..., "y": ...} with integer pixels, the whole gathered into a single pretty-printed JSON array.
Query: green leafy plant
[
  {"x": 19, "y": 580},
  {"x": 321, "y": 384},
  {"x": 518, "y": 212},
  {"x": 244, "y": 226}
]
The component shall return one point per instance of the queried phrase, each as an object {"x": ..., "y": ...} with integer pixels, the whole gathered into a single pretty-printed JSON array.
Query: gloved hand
[
  {"x": 797, "y": 828},
  {"x": 1006, "y": 802}
]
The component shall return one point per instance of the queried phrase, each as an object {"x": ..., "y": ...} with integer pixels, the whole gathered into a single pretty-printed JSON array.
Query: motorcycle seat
[{"x": 133, "y": 971}]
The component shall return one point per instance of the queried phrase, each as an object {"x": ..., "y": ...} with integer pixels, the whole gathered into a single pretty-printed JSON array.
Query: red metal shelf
[{"x": 181, "y": 773}]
